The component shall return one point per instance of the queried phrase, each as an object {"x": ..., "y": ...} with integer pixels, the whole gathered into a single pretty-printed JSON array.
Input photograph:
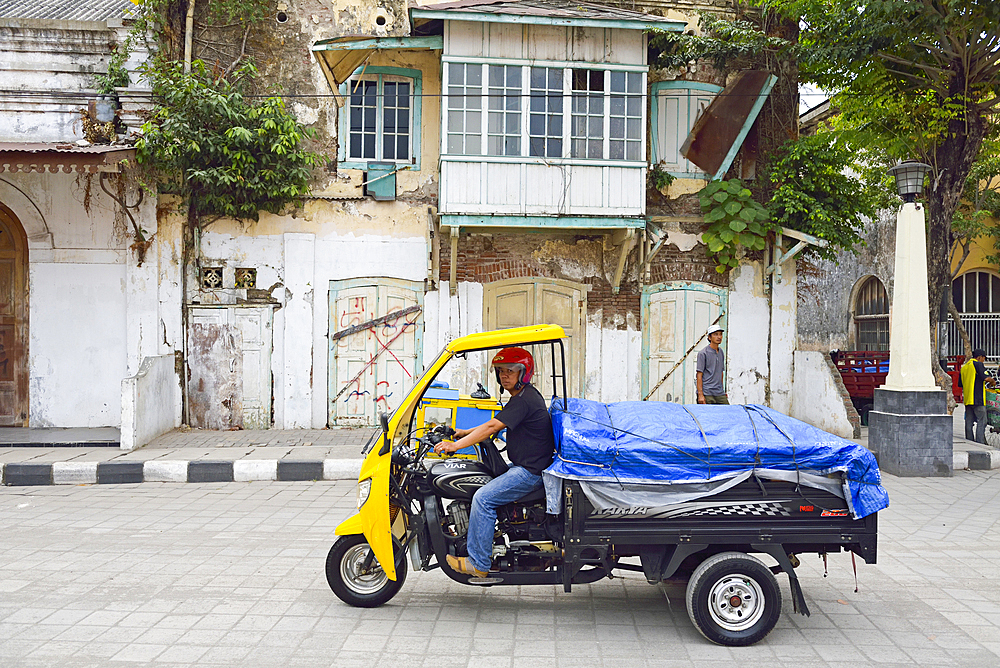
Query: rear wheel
[
  {"x": 357, "y": 578},
  {"x": 733, "y": 599}
]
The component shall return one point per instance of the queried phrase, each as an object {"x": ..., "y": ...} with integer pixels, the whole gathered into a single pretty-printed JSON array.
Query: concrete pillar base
[{"x": 911, "y": 432}]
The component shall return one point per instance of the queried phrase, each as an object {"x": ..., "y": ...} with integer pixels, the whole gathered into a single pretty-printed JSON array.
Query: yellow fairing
[
  {"x": 352, "y": 526},
  {"x": 373, "y": 518}
]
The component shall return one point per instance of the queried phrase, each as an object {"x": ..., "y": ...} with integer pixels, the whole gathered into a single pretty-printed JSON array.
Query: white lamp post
[
  {"x": 909, "y": 331},
  {"x": 909, "y": 427}
]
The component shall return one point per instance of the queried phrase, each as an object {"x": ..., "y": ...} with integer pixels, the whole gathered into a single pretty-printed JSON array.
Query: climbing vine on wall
[{"x": 735, "y": 222}]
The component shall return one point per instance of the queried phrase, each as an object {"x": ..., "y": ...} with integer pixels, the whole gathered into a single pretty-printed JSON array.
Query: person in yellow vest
[{"x": 974, "y": 395}]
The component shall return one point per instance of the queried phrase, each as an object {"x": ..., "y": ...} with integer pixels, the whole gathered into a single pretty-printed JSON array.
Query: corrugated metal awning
[
  {"x": 66, "y": 158},
  {"x": 548, "y": 12},
  {"x": 66, "y": 10}
]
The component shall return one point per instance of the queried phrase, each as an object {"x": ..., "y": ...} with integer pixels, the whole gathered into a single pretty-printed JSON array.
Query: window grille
[
  {"x": 976, "y": 292},
  {"x": 504, "y": 120},
  {"x": 381, "y": 118},
  {"x": 246, "y": 278},
  {"x": 465, "y": 109},
  {"x": 626, "y": 116},
  {"x": 211, "y": 278},
  {"x": 545, "y": 120},
  {"x": 589, "y": 114},
  {"x": 871, "y": 316},
  {"x": 587, "y": 126}
]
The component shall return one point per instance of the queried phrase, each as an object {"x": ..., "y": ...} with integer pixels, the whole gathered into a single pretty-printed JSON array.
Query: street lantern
[
  {"x": 909, "y": 176},
  {"x": 909, "y": 425}
]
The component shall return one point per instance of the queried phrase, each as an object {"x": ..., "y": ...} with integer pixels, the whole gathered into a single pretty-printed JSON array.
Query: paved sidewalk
[
  {"x": 231, "y": 575},
  {"x": 198, "y": 455}
]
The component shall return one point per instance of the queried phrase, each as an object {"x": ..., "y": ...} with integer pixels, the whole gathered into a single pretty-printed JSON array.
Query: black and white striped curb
[
  {"x": 977, "y": 460},
  {"x": 205, "y": 470}
]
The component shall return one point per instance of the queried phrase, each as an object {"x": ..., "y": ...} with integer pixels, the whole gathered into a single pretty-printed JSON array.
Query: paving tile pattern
[{"x": 231, "y": 574}]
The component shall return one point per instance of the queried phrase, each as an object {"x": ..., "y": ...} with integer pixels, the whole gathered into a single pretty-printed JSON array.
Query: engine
[{"x": 458, "y": 514}]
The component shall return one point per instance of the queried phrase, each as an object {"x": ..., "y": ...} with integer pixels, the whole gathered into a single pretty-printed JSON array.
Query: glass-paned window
[
  {"x": 871, "y": 316},
  {"x": 364, "y": 116},
  {"x": 625, "y": 131},
  {"x": 503, "y": 129},
  {"x": 396, "y": 120},
  {"x": 587, "y": 126},
  {"x": 976, "y": 292},
  {"x": 380, "y": 118},
  {"x": 545, "y": 118},
  {"x": 465, "y": 109}
]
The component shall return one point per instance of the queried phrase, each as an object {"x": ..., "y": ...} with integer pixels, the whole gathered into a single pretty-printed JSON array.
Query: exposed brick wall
[{"x": 486, "y": 258}]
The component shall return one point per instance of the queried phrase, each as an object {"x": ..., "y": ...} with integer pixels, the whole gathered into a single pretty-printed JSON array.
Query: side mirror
[{"x": 383, "y": 419}]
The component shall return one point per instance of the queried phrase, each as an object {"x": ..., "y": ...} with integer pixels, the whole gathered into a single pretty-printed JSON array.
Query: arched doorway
[
  {"x": 871, "y": 316},
  {"x": 13, "y": 321}
]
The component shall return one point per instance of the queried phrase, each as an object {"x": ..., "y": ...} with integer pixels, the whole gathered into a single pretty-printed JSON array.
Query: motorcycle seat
[{"x": 533, "y": 496}]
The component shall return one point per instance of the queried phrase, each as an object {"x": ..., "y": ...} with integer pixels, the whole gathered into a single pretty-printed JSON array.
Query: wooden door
[
  {"x": 378, "y": 362},
  {"x": 675, "y": 316},
  {"x": 13, "y": 321},
  {"x": 518, "y": 302},
  {"x": 229, "y": 367},
  {"x": 254, "y": 325},
  {"x": 215, "y": 367}
]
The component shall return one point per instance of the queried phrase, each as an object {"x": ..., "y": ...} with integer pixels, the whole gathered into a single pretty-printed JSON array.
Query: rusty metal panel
[
  {"x": 714, "y": 133},
  {"x": 215, "y": 373}
]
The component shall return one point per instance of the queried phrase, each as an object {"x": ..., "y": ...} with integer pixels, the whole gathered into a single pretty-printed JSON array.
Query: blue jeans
[{"x": 511, "y": 486}]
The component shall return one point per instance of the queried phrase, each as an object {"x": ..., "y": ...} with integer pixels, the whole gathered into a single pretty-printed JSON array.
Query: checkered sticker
[
  {"x": 761, "y": 509},
  {"x": 698, "y": 509}
]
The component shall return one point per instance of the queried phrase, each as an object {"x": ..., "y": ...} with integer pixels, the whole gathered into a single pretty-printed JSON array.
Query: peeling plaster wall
[
  {"x": 827, "y": 287},
  {"x": 93, "y": 314},
  {"x": 783, "y": 339},
  {"x": 77, "y": 344},
  {"x": 60, "y": 57},
  {"x": 613, "y": 361},
  {"x": 746, "y": 344},
  {"x": 815, "y": 397},
  {"x": 447, "y": 317},
  {"x": 297, "y": 254}
]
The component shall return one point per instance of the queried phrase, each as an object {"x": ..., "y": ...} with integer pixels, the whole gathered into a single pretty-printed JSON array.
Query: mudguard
[{"x": 350, "y": 527}]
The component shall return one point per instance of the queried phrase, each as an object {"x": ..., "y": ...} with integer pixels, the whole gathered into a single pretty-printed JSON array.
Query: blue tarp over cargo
[{"x": 656, "y": 442}]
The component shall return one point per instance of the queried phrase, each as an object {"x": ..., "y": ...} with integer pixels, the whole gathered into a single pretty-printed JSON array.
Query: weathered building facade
[
  {"x": 486, "y": 164},
  {"x": 80, "y": 313}
]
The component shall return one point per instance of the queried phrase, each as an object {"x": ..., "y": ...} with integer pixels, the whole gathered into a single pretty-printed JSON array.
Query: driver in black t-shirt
[{"x": 530, "y": 446}]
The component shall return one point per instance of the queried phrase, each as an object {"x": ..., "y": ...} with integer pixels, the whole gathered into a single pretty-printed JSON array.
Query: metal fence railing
[{"x": 983, "y": 329}]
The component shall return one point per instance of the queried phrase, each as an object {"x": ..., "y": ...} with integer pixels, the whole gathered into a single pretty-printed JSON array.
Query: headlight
[{"x": 364, "y": 489}]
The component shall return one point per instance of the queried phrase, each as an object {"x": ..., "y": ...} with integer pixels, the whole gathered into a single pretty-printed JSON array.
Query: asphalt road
[{"x": 232, "y": 575}]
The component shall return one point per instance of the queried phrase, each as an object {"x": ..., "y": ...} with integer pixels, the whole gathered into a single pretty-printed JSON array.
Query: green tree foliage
[
  {"x": 228, "y": 154},
  {"x": 821, "y": 188},
  {"x": 919, "y": 76}
]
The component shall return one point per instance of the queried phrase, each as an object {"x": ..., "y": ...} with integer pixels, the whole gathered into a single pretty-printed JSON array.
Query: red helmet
[{"x": 517, "y": 357}]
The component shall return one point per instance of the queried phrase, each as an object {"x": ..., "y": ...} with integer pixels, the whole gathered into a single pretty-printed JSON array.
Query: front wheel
[
  {"x": 356, "y": 577},
  {"x": 733, "y": 599}
]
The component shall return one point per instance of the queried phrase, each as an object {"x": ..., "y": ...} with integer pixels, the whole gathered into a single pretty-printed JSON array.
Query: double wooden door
[
  {"x": 675, "y": 317},
  {"x": 517, "y": 302},
  {"x": 374, "y": 356}
]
